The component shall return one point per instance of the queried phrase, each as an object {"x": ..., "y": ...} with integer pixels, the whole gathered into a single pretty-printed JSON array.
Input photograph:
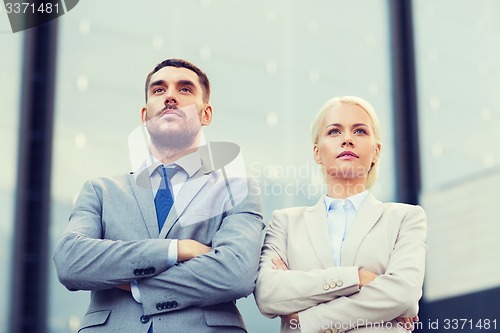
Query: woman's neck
[{"x": 344, "y": 188}]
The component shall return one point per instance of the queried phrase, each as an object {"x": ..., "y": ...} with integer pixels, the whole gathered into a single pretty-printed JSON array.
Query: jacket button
[
  {"x": 144, "y": 319},
  {"x": 137, "y": 272},
  {"x": 174, "y": 304},
  {"x": 159, "y": 306},
  {"x": 326, "y": 286},
  {"x": 340, "y": 283}
]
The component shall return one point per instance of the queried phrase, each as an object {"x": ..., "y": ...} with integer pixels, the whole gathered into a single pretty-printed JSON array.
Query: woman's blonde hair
[{"x": 315, "y": 127}]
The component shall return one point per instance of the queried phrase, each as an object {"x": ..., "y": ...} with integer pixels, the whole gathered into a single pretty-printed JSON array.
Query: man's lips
[
  {"x": 169, "y": 111},
  {"x": 347, "y": 155}
]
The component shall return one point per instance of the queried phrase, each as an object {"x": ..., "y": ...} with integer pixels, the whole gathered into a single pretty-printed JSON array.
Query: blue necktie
[
  {"x": 163, "y": 199},
  {"x": 163, "y": 203}
]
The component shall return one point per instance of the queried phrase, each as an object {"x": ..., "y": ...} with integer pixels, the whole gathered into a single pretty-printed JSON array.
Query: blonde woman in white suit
[{"x": 350, "y": 262}]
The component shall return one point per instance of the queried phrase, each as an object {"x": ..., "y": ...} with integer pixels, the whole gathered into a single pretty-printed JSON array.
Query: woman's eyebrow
[{"x": 340, "y": 125}]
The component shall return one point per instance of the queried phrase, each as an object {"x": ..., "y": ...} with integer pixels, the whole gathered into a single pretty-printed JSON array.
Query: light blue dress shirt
[{"x": 340, "y": 215}]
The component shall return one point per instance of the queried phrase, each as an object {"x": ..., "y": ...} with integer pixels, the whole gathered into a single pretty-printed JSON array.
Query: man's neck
[{"x": 170, "y": 155}]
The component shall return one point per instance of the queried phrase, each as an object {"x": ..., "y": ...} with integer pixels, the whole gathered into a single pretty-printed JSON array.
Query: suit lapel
[
  {"x": 369, "y": 213},
  {"x": 141, "y": 187},
  {"x": 317, "y": 230}
]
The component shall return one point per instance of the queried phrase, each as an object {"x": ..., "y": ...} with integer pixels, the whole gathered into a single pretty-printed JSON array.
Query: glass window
[{"x": 457, "y": 52}]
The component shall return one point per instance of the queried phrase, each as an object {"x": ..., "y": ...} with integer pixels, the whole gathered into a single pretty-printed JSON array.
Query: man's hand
[
  {"x": 125, "y": 287},
  {"x": 365, "y": 277},
  {"x": 189, "y": 248},
  {"x": 407, "y": 322}
]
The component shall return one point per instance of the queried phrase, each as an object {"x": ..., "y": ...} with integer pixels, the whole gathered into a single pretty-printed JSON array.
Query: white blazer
[{"x": 385, "y": 238}]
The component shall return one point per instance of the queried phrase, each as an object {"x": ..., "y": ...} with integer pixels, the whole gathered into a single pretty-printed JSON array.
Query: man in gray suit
[{"x": 182, "y": 268}]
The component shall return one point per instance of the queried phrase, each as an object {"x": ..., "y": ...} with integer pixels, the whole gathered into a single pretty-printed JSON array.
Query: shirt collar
[
  {"x": 356, "y": 200},
  {"x": 190, "y": 163}
]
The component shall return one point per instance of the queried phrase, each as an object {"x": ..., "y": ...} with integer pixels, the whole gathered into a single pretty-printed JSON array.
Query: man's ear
[
  {"x": 206, "y": 115},
  {"x": 144, "y": 115},
  {"x": 317, "y": 158}
]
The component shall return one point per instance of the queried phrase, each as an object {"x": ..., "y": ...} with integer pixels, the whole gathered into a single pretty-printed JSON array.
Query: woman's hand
[
  {"x": 279, "y": 264},
  {"x": 290, "y": 317},
  {"x": 365, "y": 277},
  {"x": 407, "y": 322}
]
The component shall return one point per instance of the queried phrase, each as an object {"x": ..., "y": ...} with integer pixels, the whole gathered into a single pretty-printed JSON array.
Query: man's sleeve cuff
[
  {"x": 136, "y": 294},
  {"x": 172, "y": 253}
]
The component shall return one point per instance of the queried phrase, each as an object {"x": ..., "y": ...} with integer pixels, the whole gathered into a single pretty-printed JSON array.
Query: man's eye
[
  {"x": 184, "y": 90},
  {"x": 158, "y": 90}
]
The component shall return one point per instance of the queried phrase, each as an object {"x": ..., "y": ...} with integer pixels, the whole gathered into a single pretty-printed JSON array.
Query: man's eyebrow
[
  {"x": 157, "y": 83},
  {"x": 186, "y": 83},
  {"x": 180, "y": 83}
]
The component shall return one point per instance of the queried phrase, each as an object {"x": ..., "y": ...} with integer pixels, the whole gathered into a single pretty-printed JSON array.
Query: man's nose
[{"x": 170, "y": 97}]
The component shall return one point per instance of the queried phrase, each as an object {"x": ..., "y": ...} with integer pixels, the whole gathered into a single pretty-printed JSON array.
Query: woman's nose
[{"x": 347, "y": 141}]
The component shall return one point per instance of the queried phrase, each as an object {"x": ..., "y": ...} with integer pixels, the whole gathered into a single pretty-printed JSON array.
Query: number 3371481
[
  {"x": 461, "y": 324},
  {"x": 27, "y": 7}
]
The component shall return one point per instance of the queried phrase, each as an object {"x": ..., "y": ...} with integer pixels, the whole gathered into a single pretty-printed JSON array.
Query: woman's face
[{"x": 346, "y": 143}]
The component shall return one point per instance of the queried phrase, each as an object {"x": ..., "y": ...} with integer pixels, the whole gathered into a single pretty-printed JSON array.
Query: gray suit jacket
[
  {"x": 112, "y": 239},
  {"x": 385, "y": 238}
]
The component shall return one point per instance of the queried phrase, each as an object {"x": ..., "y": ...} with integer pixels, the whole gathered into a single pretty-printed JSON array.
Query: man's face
[{"x": 175, "y": 111}]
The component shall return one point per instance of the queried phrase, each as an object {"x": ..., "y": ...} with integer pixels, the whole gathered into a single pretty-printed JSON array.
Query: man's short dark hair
[{"x": 204, "y": 82}]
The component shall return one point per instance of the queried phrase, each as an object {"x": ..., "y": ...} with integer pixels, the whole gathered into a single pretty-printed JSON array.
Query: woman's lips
[{"x": 347, "y": 155}]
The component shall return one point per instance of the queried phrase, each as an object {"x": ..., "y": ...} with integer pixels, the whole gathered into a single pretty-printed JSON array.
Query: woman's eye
[
  {"x": 334, "y": 131},
  {"x": 359, "y": 131}
]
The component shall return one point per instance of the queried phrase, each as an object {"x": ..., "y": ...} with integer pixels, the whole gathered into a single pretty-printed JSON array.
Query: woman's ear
[
  {"x": 317, "y": 157},
  {"x": 376, "y": 155}
]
